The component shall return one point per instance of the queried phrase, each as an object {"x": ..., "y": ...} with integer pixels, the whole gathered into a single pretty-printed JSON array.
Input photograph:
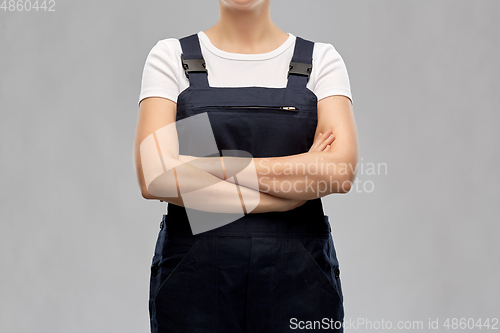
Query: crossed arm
[{"x": 283, "y": 183}]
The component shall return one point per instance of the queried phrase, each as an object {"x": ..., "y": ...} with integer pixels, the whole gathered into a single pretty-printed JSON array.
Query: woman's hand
[{"x": 323, "y": 141}]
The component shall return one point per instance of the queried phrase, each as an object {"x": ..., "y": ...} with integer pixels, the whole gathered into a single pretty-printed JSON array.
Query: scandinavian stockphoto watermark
[
  {"x": 429, "y": 324},
  {"x": 217, "y": 187},
  {"x": 28, "y": 5},
  {"x": 320, "y": 177}
]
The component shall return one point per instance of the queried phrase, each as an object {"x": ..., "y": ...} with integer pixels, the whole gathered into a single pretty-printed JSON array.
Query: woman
[{"x": 242, "y": 133}]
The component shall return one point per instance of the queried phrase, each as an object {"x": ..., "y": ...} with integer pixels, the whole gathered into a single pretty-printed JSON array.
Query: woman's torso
[{"x": 252, "y": 120}]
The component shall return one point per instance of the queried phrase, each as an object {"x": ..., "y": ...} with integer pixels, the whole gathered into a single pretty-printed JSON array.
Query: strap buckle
[
  {"x": 300, "y": 68},
  {"x": 193, "y": 65}
]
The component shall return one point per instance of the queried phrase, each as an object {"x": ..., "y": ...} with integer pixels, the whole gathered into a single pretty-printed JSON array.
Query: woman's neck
[{"x": 247, "y": 30}]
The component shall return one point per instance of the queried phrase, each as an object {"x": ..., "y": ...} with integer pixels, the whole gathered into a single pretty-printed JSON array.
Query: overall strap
[
  {"x": 301, "y": 64},
  {"x": 193, "y": 62}
]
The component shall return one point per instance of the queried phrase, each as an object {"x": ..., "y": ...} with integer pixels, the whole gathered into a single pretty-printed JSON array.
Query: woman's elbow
[
  {"x": 163, "y": 186},
  {"x": 342, "y": 176},
  {"x": 349, "y": 179},
  {"x": 346, "y": 185},
  {"x": 145, "y": 193}
]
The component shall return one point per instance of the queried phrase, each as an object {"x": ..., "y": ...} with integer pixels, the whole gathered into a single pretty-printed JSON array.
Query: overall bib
[{"x": 265, "y": 272}]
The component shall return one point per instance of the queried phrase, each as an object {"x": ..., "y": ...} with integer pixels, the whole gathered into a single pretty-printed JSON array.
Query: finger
[
  {"x": 315, "y": 143},
  {"x": 326, "y": 142},
  {"x": 325, "y": 136},
  {"x": 322, "y": 140},
  {"x": 327, "y": 148},
  {"x": 321, "y": 136},
  {"x": 318, "y": 139}
]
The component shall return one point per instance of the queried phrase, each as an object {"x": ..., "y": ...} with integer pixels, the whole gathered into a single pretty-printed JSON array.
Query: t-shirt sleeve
[
  {"x": 331, "y": 77},
  {"x": 161, "y": 70}
]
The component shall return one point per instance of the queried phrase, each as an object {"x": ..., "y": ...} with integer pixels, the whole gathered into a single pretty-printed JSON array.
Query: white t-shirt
[{"x": 163, "y": 75}]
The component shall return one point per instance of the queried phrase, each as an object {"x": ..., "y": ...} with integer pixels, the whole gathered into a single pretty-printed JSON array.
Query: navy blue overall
[{"x": 265, "y": 272}]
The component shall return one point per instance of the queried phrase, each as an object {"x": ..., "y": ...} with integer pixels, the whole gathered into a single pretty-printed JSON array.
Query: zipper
[{"x": 286, "y": 108}]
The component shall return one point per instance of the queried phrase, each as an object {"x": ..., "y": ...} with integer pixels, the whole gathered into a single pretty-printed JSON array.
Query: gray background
[{"x": 76, "y": 237}]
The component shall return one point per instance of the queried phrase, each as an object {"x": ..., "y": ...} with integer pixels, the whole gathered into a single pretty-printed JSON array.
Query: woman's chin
[{"x": 241, "y": 4}]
